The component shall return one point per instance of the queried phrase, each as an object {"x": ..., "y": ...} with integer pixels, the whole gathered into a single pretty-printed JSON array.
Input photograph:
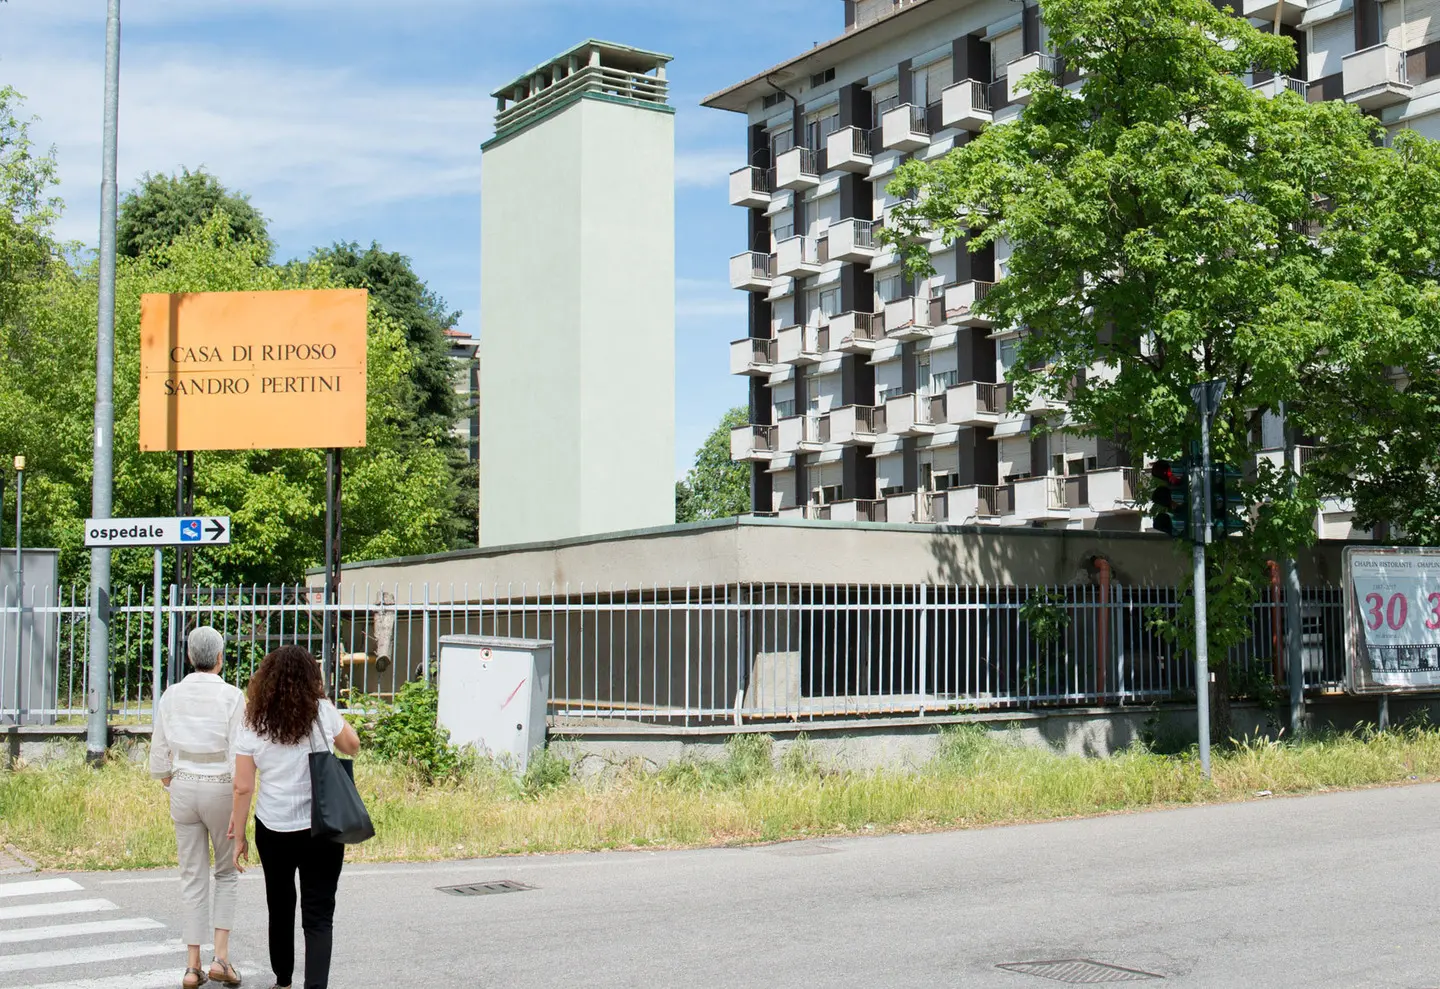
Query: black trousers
[{"x": 318, "y": 860}]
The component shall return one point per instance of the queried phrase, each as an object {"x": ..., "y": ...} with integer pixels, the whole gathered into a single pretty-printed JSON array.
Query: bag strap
[{"x": 315, "y": 731}]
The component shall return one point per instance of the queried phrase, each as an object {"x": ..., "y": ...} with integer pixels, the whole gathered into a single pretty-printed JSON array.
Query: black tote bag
[{"x": 336, "y": 810}]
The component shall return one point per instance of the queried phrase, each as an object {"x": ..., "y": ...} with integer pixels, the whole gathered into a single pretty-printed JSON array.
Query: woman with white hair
[{"x": 192, "y": 751}]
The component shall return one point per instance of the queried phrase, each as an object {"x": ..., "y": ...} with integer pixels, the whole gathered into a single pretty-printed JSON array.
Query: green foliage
[
  {"x": 431, "y": 406},
  {"x": 408, "y": 732},
  {"x": 546, "y": 771},
  {"x": 716, "y": 486},
  {"x": 749, "y": 760},
  {"x": 399, "y": 496},
  {"x": 167, "y": 206},
  {"x": 1044, "y": 614}
]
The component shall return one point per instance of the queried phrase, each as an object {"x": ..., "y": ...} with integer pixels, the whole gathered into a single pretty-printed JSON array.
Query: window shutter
[
  {"x": 1329, "y": 43},
  {"x": 1003, "y": 50},
  {"x": 938, "y": 77}
]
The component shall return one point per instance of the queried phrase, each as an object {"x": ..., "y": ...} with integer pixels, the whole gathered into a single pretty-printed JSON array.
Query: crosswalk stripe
[
  {"x": 38, "y": 886},
  {"x": 55, "y": 909},
  {"x": 161, "y": 979},
  {"x": 79, "y": 930},
  {"x": 84, "y": 956}
]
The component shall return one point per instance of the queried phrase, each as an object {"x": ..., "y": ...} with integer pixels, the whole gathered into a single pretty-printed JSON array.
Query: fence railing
[{"x": 689, "y": 655}]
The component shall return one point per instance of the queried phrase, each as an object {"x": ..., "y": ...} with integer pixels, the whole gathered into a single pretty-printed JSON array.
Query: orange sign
[{"x": 252, "y": 370}]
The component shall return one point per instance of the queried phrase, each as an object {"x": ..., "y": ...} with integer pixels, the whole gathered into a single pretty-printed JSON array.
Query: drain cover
[
  {"x": 485, "y": 889},
  {"x": 1078, "y": 971}
]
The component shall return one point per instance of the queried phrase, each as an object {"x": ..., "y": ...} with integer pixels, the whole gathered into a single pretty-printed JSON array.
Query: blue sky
[{"x": 362, "y": 120}]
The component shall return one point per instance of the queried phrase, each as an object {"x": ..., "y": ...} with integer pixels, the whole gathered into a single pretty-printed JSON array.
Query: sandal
[
  {"x": 200, "y": 979},
  {"x": 223, "y": 973}
]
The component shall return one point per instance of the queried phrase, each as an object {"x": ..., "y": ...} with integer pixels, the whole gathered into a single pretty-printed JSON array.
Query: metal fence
[{"x": 683, "y": 656}]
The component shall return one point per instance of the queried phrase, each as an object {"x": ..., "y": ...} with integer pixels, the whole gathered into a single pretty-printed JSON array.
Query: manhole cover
[
  {"x": 1078, "y": 971},
  {"x": 485, "y": 889}
]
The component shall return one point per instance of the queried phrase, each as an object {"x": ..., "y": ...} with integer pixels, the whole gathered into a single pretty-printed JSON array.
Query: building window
[
  {"x": 818, "y": 128},
  {"x": 830, "y": 302},
  {"x": 891, "y": 288},
  {"x": 812, "y": 394},
  {"x": 943, "y": 380},
  {"x": 883, "y": 393},
  {"x": 782, "y": 141},
  {"x": 922, "y": 374},
  {"x": 1009, "y": 352},
  {"x": 784, "y": 408},
  {"x": 821, "y": 78}
]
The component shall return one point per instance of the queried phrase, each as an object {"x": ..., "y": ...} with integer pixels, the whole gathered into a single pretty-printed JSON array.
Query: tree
[
  {"x": 432, "y": 404},
  {"x": 166, "y": 206},
  {"x": 27, "y": 211},
  {"x": 716, "y": 487},
  {"x": 1171, "y": 226},
  {"x": 398, "y": 492}
]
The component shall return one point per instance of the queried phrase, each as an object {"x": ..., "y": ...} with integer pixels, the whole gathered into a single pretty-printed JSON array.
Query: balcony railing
[
  {"x": 798, "y": 168},
  {"x": 1023, "y": 66},
  {"x": 857, "y": 332},
  {"x": 966, "y": 105},
  {"x": 798, "y": 256},
  {"x": 753, "y": 442},
  {"x": 849, "y": 149},
  {"x": 753, "y": 271},
  {"x": 995, "y": 500},
  {"x": 590, "y": 79},
  {"x": 904, "y": 128},
  {"x": 753, "y": 356},
  {"x": 1375, "y": 77},
  {"x": 1276, "y": 85},
  {"x": 751, "y": 187}
]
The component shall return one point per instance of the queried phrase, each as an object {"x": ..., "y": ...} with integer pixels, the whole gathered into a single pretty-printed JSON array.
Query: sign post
[
  {"x": 185, "y": 533},
  {"x": 1207, "y": 396}
]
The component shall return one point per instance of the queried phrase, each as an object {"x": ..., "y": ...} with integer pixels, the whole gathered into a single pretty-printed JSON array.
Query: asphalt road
[{"x": 1337, "y": 890}]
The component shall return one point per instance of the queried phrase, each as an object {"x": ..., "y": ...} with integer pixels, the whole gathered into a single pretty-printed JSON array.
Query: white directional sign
[{"x": 200, "y": 531}]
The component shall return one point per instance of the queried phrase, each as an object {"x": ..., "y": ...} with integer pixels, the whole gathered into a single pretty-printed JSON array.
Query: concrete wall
[
  {"x": 577, "y": 349},
  {"x": 773, "y": 551}
]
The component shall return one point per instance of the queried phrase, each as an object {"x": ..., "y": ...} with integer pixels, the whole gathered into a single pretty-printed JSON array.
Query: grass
[{"x": 68, "y": 816}]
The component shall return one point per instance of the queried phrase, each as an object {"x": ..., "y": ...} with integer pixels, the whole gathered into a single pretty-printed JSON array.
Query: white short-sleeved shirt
[{"x": 284, "y": 803}]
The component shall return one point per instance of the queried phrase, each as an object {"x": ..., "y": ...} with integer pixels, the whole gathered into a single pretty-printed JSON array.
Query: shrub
[{"x": 408, "y": 732}]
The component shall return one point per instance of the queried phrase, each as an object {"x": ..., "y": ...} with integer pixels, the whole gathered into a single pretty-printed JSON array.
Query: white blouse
[
  {"x": 284, "y": 803},
  {"x": 195, "y": 732}
]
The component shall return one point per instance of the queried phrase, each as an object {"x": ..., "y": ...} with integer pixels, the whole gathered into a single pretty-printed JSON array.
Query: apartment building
[
  {"x": 878, "y": 397},
  {"x": 577, "y": 353}
]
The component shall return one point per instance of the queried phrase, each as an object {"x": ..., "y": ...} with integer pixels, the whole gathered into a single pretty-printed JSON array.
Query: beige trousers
[{"x": 201, "y": 812}]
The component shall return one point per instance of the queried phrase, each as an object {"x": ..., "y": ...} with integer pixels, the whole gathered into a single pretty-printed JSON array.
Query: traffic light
[
  {"x": 1227, "y": 501},
  {"x": 1171, "y": 500}
]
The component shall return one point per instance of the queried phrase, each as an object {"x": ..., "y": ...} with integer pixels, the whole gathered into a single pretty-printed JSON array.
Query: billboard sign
[
  {"x": 253, "y": 370},
  {"x": 1392, "y": 618}
]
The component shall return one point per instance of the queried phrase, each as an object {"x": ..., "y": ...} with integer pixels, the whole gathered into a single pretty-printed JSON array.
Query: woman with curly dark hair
[{"x": 286, "y": 718}]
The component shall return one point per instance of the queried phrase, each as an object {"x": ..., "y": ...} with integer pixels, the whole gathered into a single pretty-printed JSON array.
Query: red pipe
[
  {"x": 1102, "y": 566},
  {"x": 1279, "y": 670}
]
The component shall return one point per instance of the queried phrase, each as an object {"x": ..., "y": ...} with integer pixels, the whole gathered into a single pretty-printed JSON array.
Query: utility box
[{"x": 493, "y": 693}]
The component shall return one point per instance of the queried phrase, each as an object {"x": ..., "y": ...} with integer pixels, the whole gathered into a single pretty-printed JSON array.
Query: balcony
[
  {"x": 751, "y": 187},
  {"x": 1112, "y": 491},
  {"x": 903, "y": 128},
  {"x": 797, "y": 169},
  {"x": 966, "y": 105},
  {"x": 803, "y": 434},
  {"x": 856, "y": 510},
  {"x": 752, "y": 271},
  {"x": 1038, "y": 498},
  {"x": 848, "y": 150},
  {"x": 979, "y": 502},
  {"x": 1375, "y": 77},
  {"x": 800, "y": 345},
  {"x": 797, "y": 257},
  {"x": 1071, "y": 492},
  {"x": 1276, "y": 85},
  {"x": 908, "y": 319},
  {"x": 975, "y": 403},
  {"x": 1290, "y": 10},
  {"x": 754, "y": 356},
  {"x": 910, "y": 415},
  {"x": 1016, "y": 71},
  {"x": 852, "y": 240},
  {"x": 960, "y": 302},
  {"x": 857, "y": 332},
  {"x": 854, "y": 425},
  {"x": 916, "y": 233},
  {"x": 754, "y": 442}
]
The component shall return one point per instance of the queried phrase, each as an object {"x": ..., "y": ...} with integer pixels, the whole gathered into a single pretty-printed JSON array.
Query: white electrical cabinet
[{"x": 493, "y": 694}]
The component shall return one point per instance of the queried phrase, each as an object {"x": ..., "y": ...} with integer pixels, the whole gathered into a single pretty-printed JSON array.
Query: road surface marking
[
  {"x": 55, "y": 909},
  {"x": 161, "y": 979},
  {"x": 84, "y": 956},
  {"x": 39, "y": 886},
  {"x": 79, "y": 930}
]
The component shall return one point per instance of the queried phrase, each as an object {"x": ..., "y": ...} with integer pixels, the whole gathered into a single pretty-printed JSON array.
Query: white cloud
[
  {"x": 704, "y": 168},
  {"x": 701, "y": 298},
  {"x": 307, "y": 144}
]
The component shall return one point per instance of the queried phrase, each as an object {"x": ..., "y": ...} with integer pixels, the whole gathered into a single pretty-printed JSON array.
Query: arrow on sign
[{"x": 215, "y": 529}]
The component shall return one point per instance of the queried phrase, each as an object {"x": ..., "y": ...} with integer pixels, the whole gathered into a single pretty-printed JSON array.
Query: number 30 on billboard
[{"x": 1392, "y": 618}]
